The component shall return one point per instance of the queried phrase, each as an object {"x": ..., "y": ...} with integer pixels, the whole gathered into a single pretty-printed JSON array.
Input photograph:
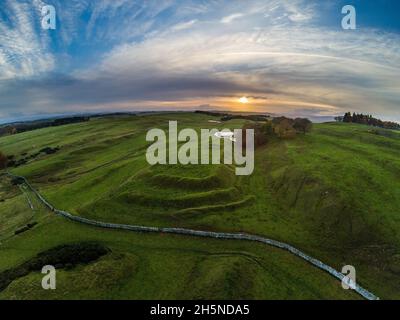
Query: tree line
[
  {"x": 38, "y": 124},
  {"x": 367, "y": 120},
  {"x": 279, "y": 127}
]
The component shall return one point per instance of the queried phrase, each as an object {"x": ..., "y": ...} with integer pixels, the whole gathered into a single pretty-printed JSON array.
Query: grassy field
[{"x": 333, "y": 193}]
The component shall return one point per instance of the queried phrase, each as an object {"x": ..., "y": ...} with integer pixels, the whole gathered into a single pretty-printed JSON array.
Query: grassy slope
[
  {"x": 14, "y": 208},
  {"x": 152, "y": 266},
  {"x": 332, "y": 193}
]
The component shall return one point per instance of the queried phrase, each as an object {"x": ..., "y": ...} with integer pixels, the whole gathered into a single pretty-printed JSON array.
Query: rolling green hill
[{"x": 333, "y": 193}]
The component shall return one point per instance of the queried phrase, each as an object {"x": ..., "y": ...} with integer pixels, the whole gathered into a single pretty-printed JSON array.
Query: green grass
[
  {"x": 333, "y": 193},
  {"x": 144, "y": 266},
  {"x": 14, "y": 208}
]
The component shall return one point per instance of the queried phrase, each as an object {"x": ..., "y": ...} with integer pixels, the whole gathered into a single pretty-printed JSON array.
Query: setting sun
[{"x": 244, "y": 100}]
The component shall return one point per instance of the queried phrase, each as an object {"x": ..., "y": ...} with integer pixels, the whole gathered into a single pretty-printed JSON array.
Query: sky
[{"x": 288, "y": 57}]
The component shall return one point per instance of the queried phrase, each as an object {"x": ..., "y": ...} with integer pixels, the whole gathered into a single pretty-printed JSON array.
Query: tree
[
  {"x": 260, "y": 134},
  {"x": 369, "y": 120},
  {"x": 283, "y": 127},
  {"x": 347, "y": 117},
  {"x": 302, "y": 125},
  {"x": 3, "y": 161},
  {"x": 339, "y": 119}
]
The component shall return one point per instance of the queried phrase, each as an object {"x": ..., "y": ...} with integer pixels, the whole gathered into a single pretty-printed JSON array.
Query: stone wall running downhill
[{"x": 197, "y": 233}]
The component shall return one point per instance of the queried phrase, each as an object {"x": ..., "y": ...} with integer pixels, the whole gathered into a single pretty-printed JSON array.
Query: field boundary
[{"x": 198, "y": 233}]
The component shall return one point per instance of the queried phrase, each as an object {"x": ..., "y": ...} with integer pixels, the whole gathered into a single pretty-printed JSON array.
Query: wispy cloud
[
  {"x": 24, "y": 49},
  {"x": 298, "y": 11},
  {"x": 184, "y": 25},
  {"x": 230, "y": 18}
]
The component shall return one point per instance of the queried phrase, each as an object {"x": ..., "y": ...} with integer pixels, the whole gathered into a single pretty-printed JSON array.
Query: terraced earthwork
[{"x": 172, "y": 195}]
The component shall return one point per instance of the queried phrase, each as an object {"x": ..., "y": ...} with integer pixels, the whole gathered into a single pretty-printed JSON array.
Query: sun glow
[{"x": 244, "y": 100}]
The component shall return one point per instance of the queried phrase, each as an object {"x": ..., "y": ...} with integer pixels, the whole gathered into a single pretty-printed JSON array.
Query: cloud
[
  {"x": 182, "y": 55},
  {"x": 230, "y": 18},
  {"x": 23, "y": 45},
  {"x": 184, "y": 25},
  {"x": 298, "y": 11},
  {"x": 325, "y": 74}
]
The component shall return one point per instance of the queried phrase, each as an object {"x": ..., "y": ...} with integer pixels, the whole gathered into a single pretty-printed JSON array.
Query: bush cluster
[
  {"x": 3, "y": 161},
  {"x": 280, "y": 127},
  {"x": 64, "y": 256},
  {"x": 12, "y": 162}
]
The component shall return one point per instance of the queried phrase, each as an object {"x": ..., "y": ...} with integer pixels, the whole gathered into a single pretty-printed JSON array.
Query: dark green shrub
[
  {"x": 21, "y": 230},
  {"x": 3, "y": 161},
  {"x": 32, "y": 224},
  {"x": 17, "y": 181},
  {"x": 64, "y": 256}
]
